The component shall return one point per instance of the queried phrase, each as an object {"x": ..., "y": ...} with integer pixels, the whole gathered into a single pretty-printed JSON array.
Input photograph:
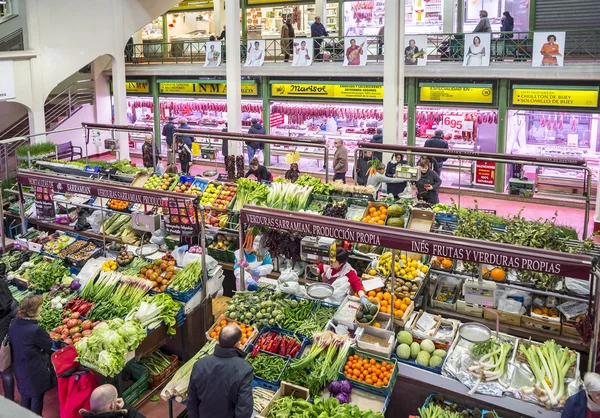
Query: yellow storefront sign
[
  {"x": 555, "y": 97},
  {"x": 203, "y": 88},
  {"x": 137, "y": 87},
  {"x": 458, "y": 93},
  {"x": 328, "y": 91}
]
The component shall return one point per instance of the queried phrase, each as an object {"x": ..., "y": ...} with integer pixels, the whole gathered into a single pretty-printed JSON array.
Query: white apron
[{"x": 339, "y": 281}]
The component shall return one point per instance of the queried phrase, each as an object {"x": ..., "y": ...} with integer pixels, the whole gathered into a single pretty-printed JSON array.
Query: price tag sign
[
  {"x": 573, "y": 140},
  {"x": 455, "y": 122}
]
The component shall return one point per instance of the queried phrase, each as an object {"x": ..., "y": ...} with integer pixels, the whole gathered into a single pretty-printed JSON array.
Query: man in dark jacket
[
  {"x": 378, "y": 139},
  {"x": 362, "y": 166},
  {"x": 317, "y": 31},
  {"x": 8, "y": 311},
  {"x": 221, "y": 384},
  {"x": 256, "y": 128},
  {"x": 105, "y": 403},
  {"x": 168, "y": 131},
  {"x": 437, "y": 141},
  {"x": 183, "y": 124}
]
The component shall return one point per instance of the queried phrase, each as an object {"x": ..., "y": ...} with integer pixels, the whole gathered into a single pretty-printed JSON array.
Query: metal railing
[
  {"x": 64, "y": 104},
  {"x": 580, "y": 46},
  {"x": 12, "y": 42}
]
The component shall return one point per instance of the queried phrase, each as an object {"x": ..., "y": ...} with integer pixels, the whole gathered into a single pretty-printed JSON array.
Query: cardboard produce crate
[
  {"x": 421, "y": 220},
  {"x": 504, "y": 317},
  {"x": 470, "y": 309},
  {"x": 541, "y": 325},
  {"x": 286, "y": 389}
]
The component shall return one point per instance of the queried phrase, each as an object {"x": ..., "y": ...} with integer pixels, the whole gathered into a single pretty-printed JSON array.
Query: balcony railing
[{"x": 580, "y": 46}]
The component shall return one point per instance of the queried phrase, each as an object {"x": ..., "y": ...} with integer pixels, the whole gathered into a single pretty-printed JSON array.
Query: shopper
[
  {"x": 185, "y": 156},
  {"x": 340, "y": 161},
  {"x": 221, "y": 384},
  {"x": 317, "y": 31},
  {"x": 148, "y": 153},
  {"x": 223, "y": 33},
  {"x": 8, "y": 311},
  {"x": 429, "y": 183},
  {"x": 378, "y": 139},
  {"x": 259, "y": 171},
  {"x": 168, "y": 131},
  {"x": 343, "y": 278},
  {"x": 183, "y": 124},
  {"x": 395, "y": 189},
  {"x": 484, "y": 23},
  {"x": 586, "y": 402},
  {"x": 508, "y": 25},
  {"x": 293, "y": 173},
  {"x": 31, "y": 347},
  {"x": 437, "y": 141},
  {"x": 287, "y": 38},
  {"x": 379, "y": 178},
  {"x": 253, "y": 146},
  {"x": 362, "y": 167},
  {"x": 225, "y": 143},
  {"x": 257, "y": 263},
  {"x": 105, "y": 403},
  {"x": 380, "y": 36}
]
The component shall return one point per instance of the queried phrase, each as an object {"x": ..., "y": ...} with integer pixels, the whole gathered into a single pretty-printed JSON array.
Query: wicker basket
[{"x": 366, "y": 324}]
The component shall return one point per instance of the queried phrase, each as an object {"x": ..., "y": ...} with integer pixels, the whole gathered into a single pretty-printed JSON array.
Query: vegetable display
[
  {"x": 246, "y": 331},
  {"x": 267, "y": 366},
  {"x": 51, "y": 315},
  {"x": 290, "y": 407},
  {"x": 187, "y": 278},
  {"x": 178, "y": 385},
  {"x": 154, "y": 310},
  {"x": 260, "y": 308},
  {"x": 46, "y": 274},
  {"x": 492, "y": 364},
  {"x": 335, "y": 210},
  {"x": 340, "y": 390},
  {"x": 295, "y": 314},
  {"x": 156, "y": 362},
  {"x": 249, "y": 192},
  {"x": 439, "y": 407},
  {"x": 318, "y": 186},
  {"x": 316, "y": 320},
  {"x": 288, "y": 196},
  {"x": 128, "y": 294},
  {"x": 272, "y": 342},
  {"x": 73, "y": 328}
]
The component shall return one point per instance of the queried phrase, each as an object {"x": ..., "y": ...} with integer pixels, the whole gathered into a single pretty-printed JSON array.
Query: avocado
[
  {"x": 363, "y": 320},
  {"x": 369, "y": 318},
  {"x": 359, "y": 315},
  {"x": 373, "y": 310}
]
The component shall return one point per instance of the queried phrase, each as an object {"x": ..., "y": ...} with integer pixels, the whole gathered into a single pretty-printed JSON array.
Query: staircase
[
  {"x": 58, "y": 108},
  {"x": 12, "y": 41}
]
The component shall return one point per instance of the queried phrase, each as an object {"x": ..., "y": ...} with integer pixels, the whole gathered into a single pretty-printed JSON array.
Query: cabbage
[
  {"x": 415, "y": 348},
  {"x": 423, "y": 358},
  {"x": 428, "y": 345},
  {"x": 435, "y": 361},
  {"x": 335, "y": 387},
  {"x": 101, "y": 328},
  {"x": 346, "y": 387},
  {"x": 404, "y": 337},
  {"x": 439, "y": 353},
  {"x": 342, "y": 397},
  {"x": 403, "y": 351}
]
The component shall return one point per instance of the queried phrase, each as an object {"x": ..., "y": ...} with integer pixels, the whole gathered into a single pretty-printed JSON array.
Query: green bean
[
  {"x": 294, "y": 317},
  {"x": 266, "y": 366},
  {"x": 316, "y": 321}
]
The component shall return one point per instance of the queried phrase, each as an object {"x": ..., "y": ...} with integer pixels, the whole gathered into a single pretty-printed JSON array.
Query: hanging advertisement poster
[
  {"x": 44, "y": 204},
  {"x": 548, "y": 49},
  {"x": 477, "y": 49},
  {"x": 414, "y": 52},
  {"x": 213, "y": 54},
  {"x": 179, "y": 217},
  {"x": 355, "y": 53},
  {"x": 255, "y": 56},
  {"x": 303, "y": 50},
  {"x": 485, "y": 173}
]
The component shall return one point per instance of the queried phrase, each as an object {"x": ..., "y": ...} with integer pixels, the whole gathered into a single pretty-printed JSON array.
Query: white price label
[{"x": 573, "y": 140}]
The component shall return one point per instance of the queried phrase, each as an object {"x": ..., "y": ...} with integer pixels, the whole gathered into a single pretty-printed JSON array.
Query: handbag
[{"x": 5, "y": 354}]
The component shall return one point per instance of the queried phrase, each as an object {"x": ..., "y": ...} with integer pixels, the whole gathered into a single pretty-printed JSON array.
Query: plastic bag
[
  {"x": 288, "y": 275},
  {"x": 96, "y": 220}
]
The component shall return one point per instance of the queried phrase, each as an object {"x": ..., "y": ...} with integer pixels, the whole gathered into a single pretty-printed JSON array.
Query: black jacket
[
  {"x": 8, "y": 308},
  {"x": 261, "y": 173},
  {"x": 508, "y": 25},
  {"x": 377, "y": 139},
  {"x": 362, "y": 166},
  {"x": 390, "y": 170},
  {"x": 257, "y": 128},
  {"x": 437, "y": 142},
  {"x": 168, "y": 131},
  {"x": 429, "y": 196},
  {"x": 31, "y": 347},
  {"x": 317, "y": 30},
  {"x": 128, "y": 412},
  {"x": 221, "y": 386}
]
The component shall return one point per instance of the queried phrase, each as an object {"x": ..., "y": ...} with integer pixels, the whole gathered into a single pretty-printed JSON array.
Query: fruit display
[
  {"x": 224, "y": 198},
  {"x": 366, "y": 315},
  {"x": 196, "y": 189},
  {"x": 388, "y": 303},
  {"x": 164, "y": 182},
  {"x": 395, "y": 216},
  {"x": 247, "y": 330},
  {"x": 76, "y": 246},
  {"x": 183, "y": 187},
  {"x": 160, "y": 272},
  {"x": 216, "y": 219},
  {"x": 118, "y": 204},
  {"x": 57, "y": 243},
  {"x": 125, "y": 258},
  {"x": 85, "y": 253},
  {"x": 496, "y": 274},
  {"x": 424, "y": 353},
  {"x": 442, "y": 263},
  {"x": 222, "y": 242},
  {"x": 404, "y": 289},
  {"x": 73, "y": 328},
  {"x": 368, "y": 370},
  {"x": 407, "y": 268},
  {"x": 547, "y": 312},
  {"x": 210, "y": 194},
  {"x": 109, "y": 265},
  {"x": 375, "y": 214}
]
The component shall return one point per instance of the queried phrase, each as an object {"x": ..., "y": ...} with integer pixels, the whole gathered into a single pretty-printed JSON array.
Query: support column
[
  {"x": 411, "y": 121},
  {"x": 102, "y": 97},
  {"x": 234, "y": 73},
  {"x": 156, "y": 103},
  {"x": 266, "y": 96},
  {"x": 219, "y": 16},
  {"x": 321, "y": 10},
  {"x": 503, "y": 94},
  {"x": 244, "y": 7},
  {"x": 393, "y": 72},
  {"x": 460, "y": 13},
  {"x": 448, "y": 16},
  {"x": 532, "y": 4},
  {"x": 32, "y": 36},
  {"x": 120, "y": 103},
  {"x": 340, "y": 16}
]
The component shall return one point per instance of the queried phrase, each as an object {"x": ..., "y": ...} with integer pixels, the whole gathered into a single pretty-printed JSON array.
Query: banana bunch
[
  {"x": 384, "y": 264},
  {"x": 407, "y": 268},
  {"x": 223, "y": 218}
]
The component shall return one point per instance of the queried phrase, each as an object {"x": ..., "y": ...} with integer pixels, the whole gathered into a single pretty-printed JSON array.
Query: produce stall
[{"x": 114, "y": 142}]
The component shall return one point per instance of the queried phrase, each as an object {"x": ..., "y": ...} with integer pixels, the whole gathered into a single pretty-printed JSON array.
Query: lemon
[{"x": 424, "y": 269}]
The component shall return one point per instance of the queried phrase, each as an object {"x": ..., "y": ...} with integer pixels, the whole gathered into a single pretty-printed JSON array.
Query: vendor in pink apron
[
  {"x": 256, "y": 264},
  {"x": 343, "y": 278}
]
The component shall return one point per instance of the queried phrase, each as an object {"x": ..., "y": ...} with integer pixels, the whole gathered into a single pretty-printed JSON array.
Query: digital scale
[
  {"x": 521, "y": 187},
  {"x": 318, "y": 249},
  {"x": 479, "y": 292},
  {"x": 408, "y": 172}
]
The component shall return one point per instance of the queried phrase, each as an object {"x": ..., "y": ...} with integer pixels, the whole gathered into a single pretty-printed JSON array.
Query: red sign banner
[
  {"x": 485, "y": 173},
  {"x": 276, "y": 119},
  {"x": 511, "y": 256}
]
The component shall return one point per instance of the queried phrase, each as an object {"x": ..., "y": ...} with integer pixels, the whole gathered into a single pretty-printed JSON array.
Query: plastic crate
[
  {"x": 157, "y": 379},
  {"x": 135, "y": 391},
  {"x": 374, "y": 389},
  {"x": 263, "y": 384},
  {"x": 278, "y": 380},
  {"x": 184, "y": 296},
  {"x": 455, "y": 402}
]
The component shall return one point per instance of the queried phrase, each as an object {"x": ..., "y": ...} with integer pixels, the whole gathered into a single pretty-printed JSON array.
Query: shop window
[
  {"x": 518, "y": 9},
  {"x": 190, "y": 26},
  {"x": 5, "y": 8},
  {"x": 266, "y": 22}
]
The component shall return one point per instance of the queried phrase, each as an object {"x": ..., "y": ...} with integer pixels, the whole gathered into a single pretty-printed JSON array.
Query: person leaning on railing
[{"x": 318, "y": 31}]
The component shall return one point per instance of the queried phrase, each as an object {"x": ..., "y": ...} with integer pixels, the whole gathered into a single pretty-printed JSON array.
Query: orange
[
  {"x": 382, "y": 217},
  {"x": 403, "y": 307},
  {"x": 406, "y": 301},
  {"x": 356, "y": 372},
  {"x": 400, "y": 312},
  {"x": 368, "y": 381},
  {"x": 380, "y": 222},
  {"x": 384, "y": 303},
  {"x": 218, "y": 329},
  {"x": 371, "y": 294},
  {"x": 379, "y": 295},
  {"x": 397, "y": 304},
  {"x": 387, "y": 296},
  {"x": 372, "y": 210},
  {"x": 366, "y": 219},
  {"x": 213, "y": 334},
  {"x": 383, "y": 209}
]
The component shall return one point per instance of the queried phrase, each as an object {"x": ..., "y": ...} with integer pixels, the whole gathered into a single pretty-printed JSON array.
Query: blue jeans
[
  {"x": 251, "y": 152},
  {"x": 440, "y": 166}
]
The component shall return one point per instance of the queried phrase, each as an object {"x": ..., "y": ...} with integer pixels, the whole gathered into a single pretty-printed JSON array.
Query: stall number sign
[
  {"x": 456, "y": 94},
  {"x": 458, "y": 123},
  {"x": 555, "y": 97},
  {"x": 203, "y": 88},
  {"x": 485, "y": 173},
  {"x": 328, "y": 91}
]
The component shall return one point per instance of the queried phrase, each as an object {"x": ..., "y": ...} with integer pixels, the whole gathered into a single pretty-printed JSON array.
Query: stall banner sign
[
  {"x": 425, "y": 243},
  {"x": 276, "y": 119},
  {"x": 44, "y": 204},
  {"x": 485, "y": 173},
  {"x": 7, "y": 80},
  {"x": 203, "y": 88},
  {"x": 137, "y": 87},
  {"x": 457, "y": 93},
  {"x": 179, "y": 217},
  {"x": 328, "y": 91},
  {"x": 531, "y": 96}
]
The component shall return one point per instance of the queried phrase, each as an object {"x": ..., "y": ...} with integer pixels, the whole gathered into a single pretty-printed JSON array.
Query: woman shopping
[
  {"x": 31, "y": 347},
  {"x": 343, "y": 278},
  {"x": 377, "y": 179},
  {"x": 429, "y": 183},
  {"x": 260, "y": 172},
  {"x": 8, "y": 311},
  {"x": 395, "y": 189},
  {"x": 586, "y": 402}
]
